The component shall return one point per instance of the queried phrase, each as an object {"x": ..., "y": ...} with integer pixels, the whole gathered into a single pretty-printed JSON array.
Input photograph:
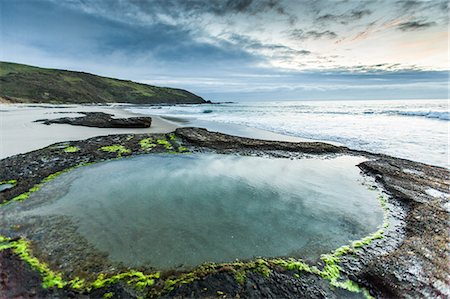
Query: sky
[{"x": 237, "y": 50}]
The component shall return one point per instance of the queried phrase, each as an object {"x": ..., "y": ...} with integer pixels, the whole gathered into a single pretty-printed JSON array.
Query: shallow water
[
  {"x": 5, "y": 186},
  {"x": 170, "y": 211}
]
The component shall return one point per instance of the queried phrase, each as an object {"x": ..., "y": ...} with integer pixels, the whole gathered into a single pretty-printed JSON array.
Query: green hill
[{"x": 21, "y": 83}]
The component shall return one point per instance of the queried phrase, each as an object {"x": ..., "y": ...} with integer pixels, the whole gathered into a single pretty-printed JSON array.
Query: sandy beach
[{"x": 19, "y": 133}]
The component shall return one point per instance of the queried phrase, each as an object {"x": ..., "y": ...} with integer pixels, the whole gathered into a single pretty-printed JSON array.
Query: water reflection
[{"x": 184, "y": 210}]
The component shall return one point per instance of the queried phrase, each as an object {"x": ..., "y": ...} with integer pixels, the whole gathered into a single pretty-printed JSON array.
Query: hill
[{"x": 21, "y": 83}]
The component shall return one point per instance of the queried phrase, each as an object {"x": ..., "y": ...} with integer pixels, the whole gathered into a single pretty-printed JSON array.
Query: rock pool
[{"x": 179, "y": 211}]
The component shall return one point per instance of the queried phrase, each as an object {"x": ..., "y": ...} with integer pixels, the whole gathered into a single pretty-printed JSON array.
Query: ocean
[{"x": 412, "y": 129}]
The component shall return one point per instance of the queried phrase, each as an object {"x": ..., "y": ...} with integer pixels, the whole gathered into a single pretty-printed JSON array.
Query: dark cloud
[
  {"x": 218, "y": 7},
  {"x": 415, "y": 25},
  {"x": 344, "y": 18},
  {"x": 409, "y": 4},
  {"x": 280, "y": 51},
  {"x": 418, "y": 6},
  {"x": 312, "y": 34},
  {"x": 86, "y": 35}
]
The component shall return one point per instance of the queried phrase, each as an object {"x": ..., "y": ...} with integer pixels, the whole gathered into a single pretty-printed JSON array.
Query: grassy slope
[{"x": 27, "y": 84}]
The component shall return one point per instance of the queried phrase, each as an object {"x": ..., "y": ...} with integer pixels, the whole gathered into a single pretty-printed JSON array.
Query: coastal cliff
[{"x": 21, "y": 83}]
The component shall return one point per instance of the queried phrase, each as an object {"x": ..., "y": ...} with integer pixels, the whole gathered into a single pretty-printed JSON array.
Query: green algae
[
  {"x": 11, "y": 182},
  {"x": 71, "y": 149},
  {"x": 182, "y": 149},
  {"x": 332, "y": 269},
  {"x": 165, "y": 143},
  {"x": 50, "y": 278},
  {"x": 108, "y": 295},
  {"x": 295, "y": 265},
  {"x": 240, "y": 269},
  {"x": 147, "y": 144},
  {"x": 38, "y": 186},
  {"x": 240, "y": 277},
  {"x": 169, "y": 143},
  {"x": 136, "y": 278},
  {"x": 141, "y": 282},
  {"x": 116, "y": 148}
]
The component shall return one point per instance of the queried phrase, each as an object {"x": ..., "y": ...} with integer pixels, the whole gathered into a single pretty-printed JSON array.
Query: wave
[
  {"x": 197, "y": 111},
  {"x": 428, "y": 114}
]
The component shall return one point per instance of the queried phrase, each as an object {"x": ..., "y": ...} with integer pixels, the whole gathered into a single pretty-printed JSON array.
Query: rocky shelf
[{"x": 408, "y": 257}]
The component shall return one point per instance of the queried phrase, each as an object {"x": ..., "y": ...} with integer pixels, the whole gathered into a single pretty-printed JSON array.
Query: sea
[{"x": 412, "y": 129}]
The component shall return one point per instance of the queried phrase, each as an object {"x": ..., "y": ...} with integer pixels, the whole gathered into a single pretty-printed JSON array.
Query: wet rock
[{"x": 101, "y": 120}]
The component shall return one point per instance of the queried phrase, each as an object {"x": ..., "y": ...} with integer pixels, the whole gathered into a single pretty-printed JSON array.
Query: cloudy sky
[{"x": 241, "y": 49}]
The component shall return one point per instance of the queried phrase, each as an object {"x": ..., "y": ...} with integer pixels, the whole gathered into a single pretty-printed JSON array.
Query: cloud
[
  {"x": 220, "y": 45},
  {"x": 409, "y": 4},
  {"x": 415, "y": 25},
  {"x": 344, "y": 18},
  {"x": 276, "y": 50},
  {"x": 418, "y": 5},
  {"x": 200, "y": 7},
  {"x": 299, "y": 34}
]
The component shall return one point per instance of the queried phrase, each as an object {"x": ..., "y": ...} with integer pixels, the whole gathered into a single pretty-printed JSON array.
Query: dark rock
[{"x": 101, "y": 120}]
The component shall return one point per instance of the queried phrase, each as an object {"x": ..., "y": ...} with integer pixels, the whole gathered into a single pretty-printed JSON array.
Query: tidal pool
[{"x": 179, "y": 211}]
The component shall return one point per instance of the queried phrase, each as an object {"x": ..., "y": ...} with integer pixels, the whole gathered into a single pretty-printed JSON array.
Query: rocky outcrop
[{"x": 101, "y": 120}]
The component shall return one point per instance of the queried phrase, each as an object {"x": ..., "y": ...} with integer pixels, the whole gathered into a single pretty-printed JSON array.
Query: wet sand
[{"x": 20, "y": 134}]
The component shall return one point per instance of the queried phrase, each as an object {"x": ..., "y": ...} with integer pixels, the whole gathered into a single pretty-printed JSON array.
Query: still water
[{"x": 172, "y": 211}]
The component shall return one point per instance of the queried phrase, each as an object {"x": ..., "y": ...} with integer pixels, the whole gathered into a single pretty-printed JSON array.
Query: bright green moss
[
  {"x": 11, "y": 182},
  {"x": 147, "y": 144},
  {"x": 367, "y": 240},
  {"x": 136, "y": 278},
  {"x": 108, "y": 295},
  {"x": 348, "y": 285},
  {"x": 71, "y": 149},
  {"x": 49, "y": 278},
  {"x": 166, "y": 144},
  {"x": 295, "y": 265},
  {"x": 77, "y": 283},
  {"x": 262, "y": 267},
  {"x": 240, "y": 277},
  {"x": 117, "y": 148},
  {"x": 38, "y": 186},
  {"x": 343, "y": 250},
  {"x": 182, "y": 149}
]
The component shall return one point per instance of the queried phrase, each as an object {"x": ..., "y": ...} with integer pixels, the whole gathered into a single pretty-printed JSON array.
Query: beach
[{"x": 19, "y": 133}]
